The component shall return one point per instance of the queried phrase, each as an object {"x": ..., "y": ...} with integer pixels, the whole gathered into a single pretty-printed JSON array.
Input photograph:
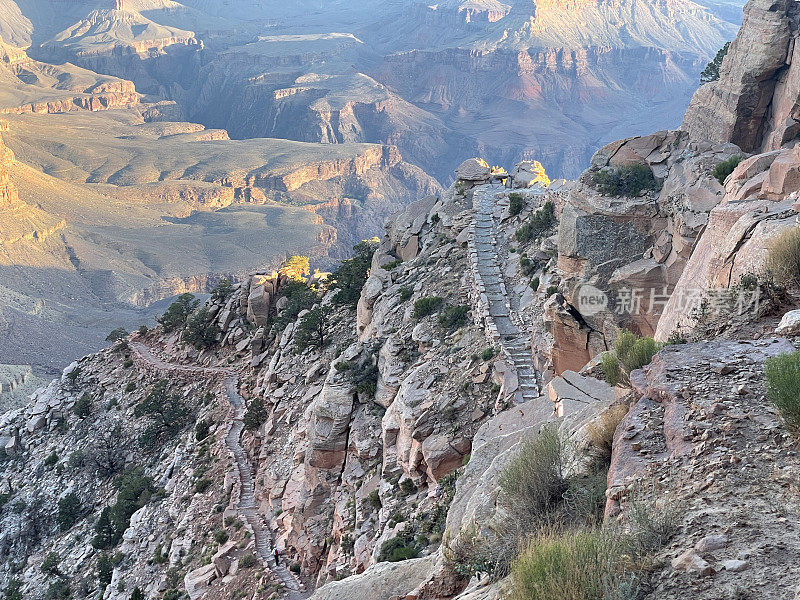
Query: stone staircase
[
  {"x": 490, "y": 296},
  {"x": 246, "y": 504}
]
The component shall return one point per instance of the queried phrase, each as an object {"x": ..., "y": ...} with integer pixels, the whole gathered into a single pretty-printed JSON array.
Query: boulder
[
  {"x": 223, "y": 557},
  {"x": 258, "y": 302},
  {"x": 691, "y": 562},
  {"x": 474, "y": 170},
  {"x": 529, "y": 173},
  {"x": 711, "y": 542},
  {"x": 383, "y": 581},
  {"x": 790, "y": 323},
  {"x": 783, "y": 176},
  {"x": 197, "y": 581}
]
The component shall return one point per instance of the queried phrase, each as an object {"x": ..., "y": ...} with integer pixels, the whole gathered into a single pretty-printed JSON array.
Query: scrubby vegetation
[
  {"x": 537, "y": 224},
  {"x": 783, "y": 257},
  {"x": 624, "y": 180},
  {"x": 726, "y": 167},
  {"x": 397, "y": 549},
  {"x": 69, "y": 511},
  {"x": 167, "y": 411},
  {"x": 117, "y": 334},
  {"x": 312, "y": 330},
  {"x": 134, "y": 490},
  {"x": 711, "y": 72},
  {"x": 222, "y": 290},
  {"x": 630, "y": 352},
  {"x": 516, "y": 203},
  {"x": 200, "y": 332},
  {"x": 178, "y": 312},
  {"x": 783, "y": 386},
  {"x": 426, "y": 306},
  {"x": 352, "y": 273},
  {"x": 255, "y": 415},
  {"x": 454, "y": 316}
]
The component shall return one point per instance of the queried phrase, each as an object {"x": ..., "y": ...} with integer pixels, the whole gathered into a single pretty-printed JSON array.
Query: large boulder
[{"x": 473, "y": 170}]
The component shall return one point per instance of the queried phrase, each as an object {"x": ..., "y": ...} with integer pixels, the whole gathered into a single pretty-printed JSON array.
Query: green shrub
[
  {"x": 117, "y": 334},
  {"x": 397, "y": 549},
  {"x": 76, "y": 459},
  {"x": 711, "y": 72},
  {"x": 83, "y": 406},
  {"x": 567, "y": 566},
  {"x": 299, "y": 298},
  {"x": 69, "y": 511},
  {"x": 535, "y": 480},
  {"x": 551, "y": 289},
  {"x": 142, "y": 329},
  {"x": 488, "y": 354},
  {"x": 73, "y": 375},
  {"x": 390, "y": 266},
  {"x": 201, "y": 332},
  {"x": 105, "y": 570},
  {"x": 58, "y": 590},
  {"x": 256, "y": 414},
  {"x": 407, "y": 487},
  {"x": 222, "y": 290},
  {"x": 50, "y": 563},
  {"x": 783, "y": 386},
  {"x": 167, "y": 412},
  {"x": 406, "y": 293},
  {"x": 516, "y": 203},
  {"x": 137, "y": 594},
  {"x": 127, "y": 363},
  {"x": 611, "y": 368},
  {"x": 312, "y": 330},
  {"x": 295, "y": 568},
  {"x": 221, "y": 536},
  {"x": 535, "y": 283},
  {"x": 130, "y": 387},
  {"x": 625, "y": 180},
  {"x": 454, "y": 316},
  {"x": 726, "y": 167},
  {"x": 528, "y": 266},
  {"x": 783, "y": 257},
  {"x": 352, "y": 273},
  {"x": 51, "y": 459},
  {"x": 178, "y": 312},
  {"x": 537, "y": 224},
  {"x": 134, "y": 490},
  {"x": 13, "y": 590},
  {"x": 374, "y": 499},
  {"x": 247, "y": 561},
  {"x": 201, "y": 430},
  {"x": 426, "y": 306}
]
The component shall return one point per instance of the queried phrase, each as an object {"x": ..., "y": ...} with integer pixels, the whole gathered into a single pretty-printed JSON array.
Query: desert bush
[
  {"x": 167, "y": 412},
  {"x": 58, "y": 590},
  {"x": 255, "y": 415},
  {"x": 221, "y": 291},
  {"x": 221, "y": 536},
  {"x": 352, "y": 273},
  {"x": 134, "y": 490},
  {"x": 488, "y": 354},
  {"x": 397, "y": 549},
  {"x": 601, "y": 431},
  {"x": 201, "y": 332},
  {"x": 630, "y": 352},
  {"x": 390, "y": 266},
  {"x": 516, "y": 203},
  {"x": 117, "y": 334},
  {"x": 297, "y": 267},
  {"x": 105, "y": 569},
  {"x": 406, "y": 293},
  {"x": 178, "y": 312},
  {"x": 312, "y": 330},
  {"x": 201, "y": 430},
  {"x": 50, "y": 563},
  {"x": 566, "y": 566},
  {"x": 611, "y": 368},
  {"x": 624, "y": 180},
  {"x": 454, "y": 316},
  {"x": 783, "y": 386},
  {"x": 534, "y": 481},
  {"x": 374, "y": 500},
  {"x": 711, "y": 71},
  {"x": 69, "y": 511},
  {"x": 247, "y": 561},
  {"x": 299, "y": 298},
  {"x": 426, "y": 306},
  {"x": 726, "y": 167},
  {"x": 537, "y": 224},
  {"x": 51, "y": 459},
  {"x": 650, "y": 522},
  {"x": 783, "y": 257},
  {"x": 83, "y": 406}
]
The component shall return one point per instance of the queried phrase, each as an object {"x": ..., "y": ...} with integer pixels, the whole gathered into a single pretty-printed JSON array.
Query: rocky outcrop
[{"x": 755, "y": 103}]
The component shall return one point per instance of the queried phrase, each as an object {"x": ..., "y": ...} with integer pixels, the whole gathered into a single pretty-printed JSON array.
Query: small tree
[
  {"x": 69, "y": 511},
  {"x": 200, "y": 331},
  {"x": 167, "y": 410},
  {"x": 516, "y": 203},
  {"x": 105, "y": 570},
  {"x": 711, "y": 72},
  {"x": 73, "y": 375},
  {"x": 50, "y": 564},
  {"x": 137, "y": 594},
  {"x": 178, "y": 312},
  {"x": 297, "y": 268},
  {"x": 117, "y": 334},
  {"x": 352, "y": 273},
  {"x": 83, "y": 406},
  {"x": 222, "y": 290},
  {"x": 312, "y": 331},
  {"x": 255, "y": 415}
]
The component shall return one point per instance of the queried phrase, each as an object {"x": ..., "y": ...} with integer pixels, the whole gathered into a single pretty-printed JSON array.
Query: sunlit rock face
[{"x": 756, "y": 101}]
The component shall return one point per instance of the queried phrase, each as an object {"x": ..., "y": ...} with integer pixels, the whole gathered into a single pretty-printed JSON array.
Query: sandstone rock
[
  {"x": 258, "y": 304},
  {"x": 529, "y": 173},
  {"x": 222, "y": 558},
  {"x": 735, "y": 565},
  {"x": 711, "y": 542},
  {"x": 691, "y": 562},
  {"x": 473, "y": 170},
  {"x": 197, "y": 581},
  {"x": 790, "y": 323},
  {"x": 383, "y": 581},
  {"x": 783, "y": 176}
]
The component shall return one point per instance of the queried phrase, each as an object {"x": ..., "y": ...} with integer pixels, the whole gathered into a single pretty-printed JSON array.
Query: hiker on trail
[{"x": 277, "y": 554}]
